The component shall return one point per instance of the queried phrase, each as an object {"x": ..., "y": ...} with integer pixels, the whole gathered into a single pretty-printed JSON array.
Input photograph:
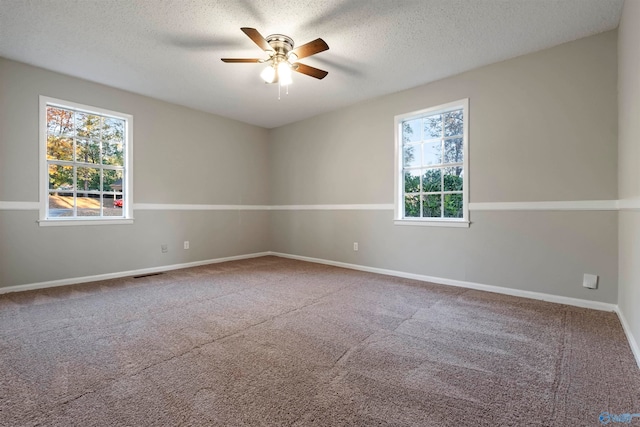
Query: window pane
[
  {"x": 88, "y": 179},
  {"x": 88, "y": 206},
  {"x": 412, "y": 181},
  {"x": 432, "y": 180},
  {"x": 433, "y": 126},
  {"x": 112, "y": 154},
  {"x": 112, "y": 180},
  {"x": 453, "y": 123},
  {"x": 60, "y": 205},
  {"x": 59, "y": 121},
  {"x": 88, "y": 125},
  {"x": 411, "y": 206},
  {"x": 431, "y": 206},
  {"x": 453, "y": 179},
  {"x": 86, "y": 157},
  {"x": 453, "y": 150},
  {"x": 113, "y": 130},
  {"x": 432, "y": 153},
  {"x": 411, "y": 131},
  {"x": 411, "y": 155},
  {"x": 113, "y": 206},
  {"x": 60, "y": 177},
  {"x": 87, "y": 151},
  {"x": 453, "y": 205},
  {"x": 59, "y": 148}
]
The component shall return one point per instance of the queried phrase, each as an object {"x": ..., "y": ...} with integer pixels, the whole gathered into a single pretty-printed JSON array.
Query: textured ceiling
[{"x": 171, "y": 49}]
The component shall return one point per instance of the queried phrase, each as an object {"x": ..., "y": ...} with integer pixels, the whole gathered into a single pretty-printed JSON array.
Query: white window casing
[
  {"x": 107, "y": 196},
  {"x": 428, "y": 169}
]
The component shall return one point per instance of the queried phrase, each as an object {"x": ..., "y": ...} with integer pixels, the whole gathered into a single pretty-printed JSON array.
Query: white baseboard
[
  {"x": 85, "y": 279},
  {"x": 439, "y": 280},
  {"x": 635, "y": 349},
  {"x": 577, "y": 302}
]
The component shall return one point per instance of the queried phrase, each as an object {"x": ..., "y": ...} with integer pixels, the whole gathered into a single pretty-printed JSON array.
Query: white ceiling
[{"x": 171, "y": 49}]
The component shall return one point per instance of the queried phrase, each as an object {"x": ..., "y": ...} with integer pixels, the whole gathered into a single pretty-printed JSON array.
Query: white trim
[
  {"x": 355, "y": 207},
  {"x": 76, "y": 222},
  {"x": 571, "y": 205},
  {"x": 19, "y": 206},
  {"x": 575, "y": 205},
  {"x": 196, "y": 207},
  {"x": 127, "y": 176},
  {"x": 432, "y": 223},
  {"x": 85, "y": 279},
  {"x": 43, "y": 179},
  {"x": 629, "y": 204},
  {"x": 577, "y": 302},
  {"x": 635, "y": 349},
  {"x": 398, "y": 181}
]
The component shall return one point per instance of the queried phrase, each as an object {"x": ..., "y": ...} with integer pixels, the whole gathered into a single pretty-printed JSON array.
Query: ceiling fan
[{"x": 283, "y": 58}]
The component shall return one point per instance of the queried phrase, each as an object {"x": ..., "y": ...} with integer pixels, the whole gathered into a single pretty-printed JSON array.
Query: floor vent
[{"x": 147, "y": 275}]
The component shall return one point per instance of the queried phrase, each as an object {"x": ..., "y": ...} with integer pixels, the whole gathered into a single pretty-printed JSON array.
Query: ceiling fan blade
[
  {"x": 241, "y": 60},
  {"x": 311, "y": 48},
  {"x": 257, "y": 38},
  {"x": 310, "y": 71}
]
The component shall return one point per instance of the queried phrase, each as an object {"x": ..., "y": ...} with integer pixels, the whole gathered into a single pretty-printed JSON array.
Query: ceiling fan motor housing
[{"x": 281, "y": 45}]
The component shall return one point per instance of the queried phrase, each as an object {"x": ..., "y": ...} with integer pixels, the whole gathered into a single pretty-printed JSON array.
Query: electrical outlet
[
  {"x": 355, "y": 246},
  {"x": 186, "y": 244},
  {"x": 164, "y": 248},
  {"x": 590, "y": 281}
]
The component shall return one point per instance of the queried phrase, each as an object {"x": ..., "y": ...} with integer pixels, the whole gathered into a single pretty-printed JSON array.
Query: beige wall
[
  {"x": 543, "y": 127},
  {"x": 181, "y": 156},
  {"x": 629, "y": 164}
]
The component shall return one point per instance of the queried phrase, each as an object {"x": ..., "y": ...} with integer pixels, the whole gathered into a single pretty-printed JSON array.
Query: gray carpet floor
[{"x": 277, "y": 342}]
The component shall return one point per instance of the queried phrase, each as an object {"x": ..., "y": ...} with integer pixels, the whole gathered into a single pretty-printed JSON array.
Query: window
[
  {"x": 432, "y": 184},
  {"x": 85, "y": 164}
]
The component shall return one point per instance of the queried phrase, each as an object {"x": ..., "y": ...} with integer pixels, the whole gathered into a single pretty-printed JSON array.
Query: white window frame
[
  {"x": 399, "y": 174},
  {"x": 127, "y": 177}
]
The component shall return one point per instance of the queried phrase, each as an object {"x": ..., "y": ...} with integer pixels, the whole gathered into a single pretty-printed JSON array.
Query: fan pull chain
[{"x": 286, "y": 92}]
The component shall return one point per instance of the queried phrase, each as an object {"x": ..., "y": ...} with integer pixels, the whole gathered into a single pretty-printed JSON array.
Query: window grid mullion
[
  {"x": 443, "y": 159},
  {"x": 420, "y": 189},
  {"x": 414, "y": 168},
  {"x": 75, "y": 191},
  {"x": 101, "y": 192},
  {"x": 100, "y": 159}
]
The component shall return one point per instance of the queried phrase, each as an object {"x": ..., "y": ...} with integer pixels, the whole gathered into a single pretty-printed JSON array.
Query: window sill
[
  {"x": 432, "y": 223},
  {"x": 72, "y": 222}
]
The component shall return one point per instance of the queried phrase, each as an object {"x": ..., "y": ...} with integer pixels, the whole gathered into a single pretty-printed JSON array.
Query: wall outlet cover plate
[{"x": 590, "y": 281}]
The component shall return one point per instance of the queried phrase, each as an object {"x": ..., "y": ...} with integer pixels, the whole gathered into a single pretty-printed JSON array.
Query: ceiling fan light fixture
[
  {"x": 268, "y": 74},
  {"x": 283, "y": 58}
]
